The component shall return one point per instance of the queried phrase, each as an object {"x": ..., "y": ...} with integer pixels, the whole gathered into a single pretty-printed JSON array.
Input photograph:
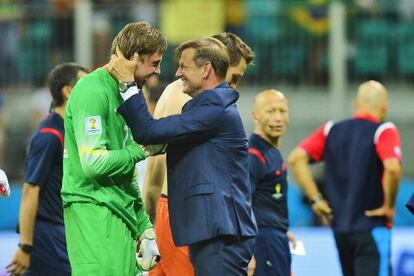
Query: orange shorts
[{"x": 175, "y": 261}]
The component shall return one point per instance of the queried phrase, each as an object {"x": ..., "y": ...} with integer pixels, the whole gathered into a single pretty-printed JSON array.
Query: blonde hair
[
  {"x": 141, "y": 38},
  {"x": 237, "y": 48},
  {"x": 208, "y": 49}
]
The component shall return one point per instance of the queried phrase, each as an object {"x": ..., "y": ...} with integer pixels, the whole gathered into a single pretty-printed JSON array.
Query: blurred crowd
[{"x": 290, "y": 39}]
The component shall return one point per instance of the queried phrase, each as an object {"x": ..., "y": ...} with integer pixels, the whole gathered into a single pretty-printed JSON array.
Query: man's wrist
[
  {"x": 129, "y": 92},
  {"x": 26, "y": 248},
  {"x": 123, "y": 86}
]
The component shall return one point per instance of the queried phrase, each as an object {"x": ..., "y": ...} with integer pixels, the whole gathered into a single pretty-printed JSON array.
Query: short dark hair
[
  {"x": 141, "y": 38},
  {"x": 237, "y": 48},
  {"x": 61, "y": 75},
  {"x": 207, "y": 49}
]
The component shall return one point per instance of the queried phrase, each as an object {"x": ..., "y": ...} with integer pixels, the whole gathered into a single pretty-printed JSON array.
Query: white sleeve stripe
[
  {"x": 327, "y": 128},
  {"x": 381, "y": 129}
]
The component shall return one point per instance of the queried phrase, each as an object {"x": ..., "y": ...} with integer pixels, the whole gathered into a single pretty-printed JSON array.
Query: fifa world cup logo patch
[{"x": 93, "y": 125}]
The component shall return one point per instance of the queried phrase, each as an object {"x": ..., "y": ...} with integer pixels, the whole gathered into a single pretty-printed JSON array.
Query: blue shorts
[
  {"x": 272, "y": 253},
  {"x": 49, "y": 255}
]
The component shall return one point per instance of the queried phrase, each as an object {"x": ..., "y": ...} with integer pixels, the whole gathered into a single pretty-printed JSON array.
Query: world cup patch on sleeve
[{"x": 93, "y": 125}]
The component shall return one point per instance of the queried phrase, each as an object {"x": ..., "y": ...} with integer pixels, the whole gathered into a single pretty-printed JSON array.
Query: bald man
[
  {"x": 362, "y": 171},
  {"x": 268, "y": 177}
]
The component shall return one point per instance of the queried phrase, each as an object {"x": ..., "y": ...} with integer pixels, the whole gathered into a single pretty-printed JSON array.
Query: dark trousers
[
  {"x": 49, "y": 256},
  {"x": 272, "y": 253},
  {"x": 222, "y": 255},
  {"x": 365, "y": 253}
]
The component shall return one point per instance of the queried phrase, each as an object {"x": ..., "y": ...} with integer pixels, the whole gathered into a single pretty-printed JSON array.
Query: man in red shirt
[{"x": 362, "y": 172}]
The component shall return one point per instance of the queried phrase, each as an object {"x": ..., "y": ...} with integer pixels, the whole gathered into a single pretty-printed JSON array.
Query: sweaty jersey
[
  {"x": 353, "y": 151},
  {"x": 99, "y": 155},
  {"x": 268, "y": 177},
  {"x": 44, "y": 167}
]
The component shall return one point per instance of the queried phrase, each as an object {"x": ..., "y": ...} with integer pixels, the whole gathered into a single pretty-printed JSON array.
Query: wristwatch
[
  {"x": 124, "y": 85},
  {"x": 25, "y": 248}
]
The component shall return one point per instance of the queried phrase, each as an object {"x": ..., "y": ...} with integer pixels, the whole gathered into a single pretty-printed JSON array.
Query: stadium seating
[
  {"x": 372, "y": 51},
  {"x": 405, "y": 48}
]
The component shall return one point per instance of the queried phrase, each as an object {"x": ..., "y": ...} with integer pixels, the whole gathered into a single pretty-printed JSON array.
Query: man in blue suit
[{"x": 207, "y": 160}]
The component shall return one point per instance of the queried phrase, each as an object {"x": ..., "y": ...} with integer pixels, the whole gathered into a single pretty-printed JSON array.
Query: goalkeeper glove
[
  {"x": 148, "y": 255},
  {"x": 4, "y": 185}
]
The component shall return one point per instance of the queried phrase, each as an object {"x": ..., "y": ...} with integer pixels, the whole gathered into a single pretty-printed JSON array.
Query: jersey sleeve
[
  {"x": 143, "y": 220},
  {"x": 44, "y": 150},
  {"x": 91, "y": 129},
  {"x": 387, "y": 142},
  {"x": 314, "y": 144},
  {"x": 255, "y": 168}
]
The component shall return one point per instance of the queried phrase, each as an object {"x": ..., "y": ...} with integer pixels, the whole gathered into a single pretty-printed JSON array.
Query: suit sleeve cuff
[{"x": 129, "y": 93}]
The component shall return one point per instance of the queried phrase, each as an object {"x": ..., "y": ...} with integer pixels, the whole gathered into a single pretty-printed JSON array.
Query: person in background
[
  {"x": 362, "y": 173},
  {"x": 268, "y": 177}
]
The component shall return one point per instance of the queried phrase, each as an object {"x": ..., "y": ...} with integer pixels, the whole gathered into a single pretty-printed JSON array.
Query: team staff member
[
  {"x": 362, "y": 172},
  {"x": 103, "y": 210},
  {"x": 175, "y": 260},
  {"x": 268, "y": 177},
  {"x": 207, "y": 161},
  {"x": 42, "y": 246}
]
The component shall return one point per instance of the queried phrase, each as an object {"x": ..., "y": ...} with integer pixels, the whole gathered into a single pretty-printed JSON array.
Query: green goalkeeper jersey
[{"x": 99, "y": 155}]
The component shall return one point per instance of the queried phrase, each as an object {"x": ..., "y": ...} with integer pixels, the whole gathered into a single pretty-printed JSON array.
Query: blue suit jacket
[{"x": 207, "y": 160}]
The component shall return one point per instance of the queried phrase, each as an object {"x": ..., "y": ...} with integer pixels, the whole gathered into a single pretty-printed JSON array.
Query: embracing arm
[{"x": 200, "y": 119}]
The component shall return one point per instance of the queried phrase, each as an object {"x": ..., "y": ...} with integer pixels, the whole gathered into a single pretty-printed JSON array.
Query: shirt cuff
[{"x": 129, "y": 93}]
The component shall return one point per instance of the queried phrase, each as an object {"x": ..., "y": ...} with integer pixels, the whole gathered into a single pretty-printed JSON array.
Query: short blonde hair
[
  {"x": 141, "y": 38},
  {"x": 208, "y": 49},
  {"x": 238, "y": 49}
]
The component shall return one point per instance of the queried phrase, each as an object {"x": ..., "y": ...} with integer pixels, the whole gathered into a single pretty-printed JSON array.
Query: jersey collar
[{"x": 366, "y": 116}]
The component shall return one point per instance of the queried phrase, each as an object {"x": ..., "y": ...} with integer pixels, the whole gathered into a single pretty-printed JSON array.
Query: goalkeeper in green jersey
[{"x": 103, "y": 210}]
